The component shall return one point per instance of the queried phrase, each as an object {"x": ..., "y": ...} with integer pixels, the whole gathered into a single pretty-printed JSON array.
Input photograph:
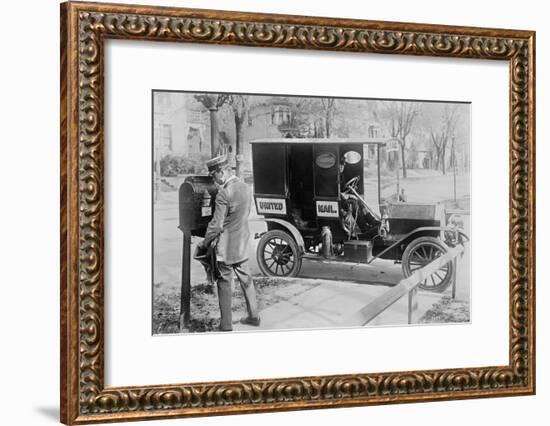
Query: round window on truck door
[
  {"x": 325, "y": 160},
  {"x": 352, "y": 157}
]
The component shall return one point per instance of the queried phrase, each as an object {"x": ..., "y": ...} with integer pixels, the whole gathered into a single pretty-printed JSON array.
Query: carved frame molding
[{"x": 84, "y": 28}]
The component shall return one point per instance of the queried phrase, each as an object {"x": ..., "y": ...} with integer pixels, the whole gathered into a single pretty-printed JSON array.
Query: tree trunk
[
  {"x": 403, "y": 160},
  {"x": 239, "y": 130},
  {"x": 437, "y": 160},
  {"x": 213, "y": 132},
  {"x": 443, "y": 160}
]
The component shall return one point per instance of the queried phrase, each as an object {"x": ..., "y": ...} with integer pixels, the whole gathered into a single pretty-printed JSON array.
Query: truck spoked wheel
[
  {"x": 421, "y": 252},
  {"x": 278, "y": 255}
]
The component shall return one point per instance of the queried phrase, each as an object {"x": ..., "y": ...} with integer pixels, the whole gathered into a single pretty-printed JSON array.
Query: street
[{"x": 423, "y": 186}]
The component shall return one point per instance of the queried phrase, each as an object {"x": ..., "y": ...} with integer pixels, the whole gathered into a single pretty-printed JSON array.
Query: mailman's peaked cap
[{"x": 216, "y": 163}]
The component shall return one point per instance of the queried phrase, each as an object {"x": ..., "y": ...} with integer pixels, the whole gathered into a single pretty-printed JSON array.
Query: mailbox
[{"x": 197, "y": 195}]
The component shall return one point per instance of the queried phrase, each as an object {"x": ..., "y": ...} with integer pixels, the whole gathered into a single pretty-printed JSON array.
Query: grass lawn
[
  {"x": 205, "y": 311},
  {"x": 447, "y": 310}
]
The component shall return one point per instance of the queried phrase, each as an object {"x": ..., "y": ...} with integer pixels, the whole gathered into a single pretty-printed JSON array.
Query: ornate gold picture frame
[{"x": 84, "y": 29}]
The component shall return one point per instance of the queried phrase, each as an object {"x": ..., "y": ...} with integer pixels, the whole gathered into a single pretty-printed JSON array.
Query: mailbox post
[
  {"x": 196, "y": 205},
  {"x": 185, "y": 302}
]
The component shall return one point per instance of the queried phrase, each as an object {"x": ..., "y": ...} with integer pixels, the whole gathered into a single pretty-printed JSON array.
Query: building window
[
  {"x": 372, "y": 152},
  {"x": 374, "y": 131},
  {"x": 166, "y": 141},
  {"x": 195, "y": 116},
  {"x": 194, "y": 140},
  {"x": 163, "y": 99},
  {"x": 280, "y": 115}
]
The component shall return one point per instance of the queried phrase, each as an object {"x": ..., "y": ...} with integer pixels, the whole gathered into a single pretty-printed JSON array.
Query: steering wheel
[{"x": 353, "y": 183}]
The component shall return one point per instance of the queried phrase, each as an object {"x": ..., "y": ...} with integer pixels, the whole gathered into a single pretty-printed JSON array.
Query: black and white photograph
[{"x": 280, "y": 212}]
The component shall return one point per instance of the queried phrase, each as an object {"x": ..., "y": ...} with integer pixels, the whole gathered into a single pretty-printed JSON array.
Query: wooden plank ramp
[{"x": 383, "y": 302}]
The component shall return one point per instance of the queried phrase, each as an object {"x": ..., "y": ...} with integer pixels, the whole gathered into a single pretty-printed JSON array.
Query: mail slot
[{"x": 197, "y": 195}]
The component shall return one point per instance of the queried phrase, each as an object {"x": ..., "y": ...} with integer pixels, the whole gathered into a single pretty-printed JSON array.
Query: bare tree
[
  {"x": 399, "y": 118},
  {"x": 213, "y": 102},
  {"x": 441, "y": 134},
  {"x": 320, "y": 112},
  {"x": 328, "y": 107}
]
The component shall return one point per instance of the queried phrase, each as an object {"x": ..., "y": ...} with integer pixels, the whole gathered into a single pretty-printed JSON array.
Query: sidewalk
[{"x": 329, "y": 303}]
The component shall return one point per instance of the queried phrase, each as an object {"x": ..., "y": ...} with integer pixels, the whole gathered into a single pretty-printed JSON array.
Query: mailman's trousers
[{"x": 242, "y": 272}]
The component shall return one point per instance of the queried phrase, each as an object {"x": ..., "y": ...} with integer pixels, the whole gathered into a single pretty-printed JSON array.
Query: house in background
[{"x": 180, "y": 125}]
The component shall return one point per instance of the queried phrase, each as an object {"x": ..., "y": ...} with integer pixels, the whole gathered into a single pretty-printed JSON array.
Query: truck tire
[
  {"x": 418, "y": 254},
  {"x": 278, "y": 254}
]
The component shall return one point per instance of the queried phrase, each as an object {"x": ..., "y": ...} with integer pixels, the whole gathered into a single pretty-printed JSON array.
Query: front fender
[
  {"x": 291, "y": 229},
  {"x": 417, "y": 233},
  {"x": 441, "y": 229}
]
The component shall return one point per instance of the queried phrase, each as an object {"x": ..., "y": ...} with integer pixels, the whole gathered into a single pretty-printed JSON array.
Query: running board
[{"x": 331, "y": 260}]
